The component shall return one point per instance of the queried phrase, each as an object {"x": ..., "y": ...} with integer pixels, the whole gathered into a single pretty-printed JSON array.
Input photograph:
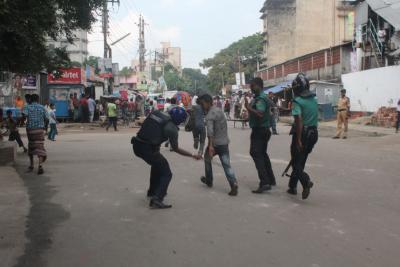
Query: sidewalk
[
  {"x": 14, "y": 207},
  {"x": 353, "y": 127}
]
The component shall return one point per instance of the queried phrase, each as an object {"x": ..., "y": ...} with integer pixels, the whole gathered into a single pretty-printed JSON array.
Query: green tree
[
  {"x": 195, "y": 81},
  {"x": 223, "y": 66},
  {"x": 173, "y": 78},
  {"x": 93, "y": 62},
  {"x": 25, "y": 26},
  {"x": 126, "y": 72}
]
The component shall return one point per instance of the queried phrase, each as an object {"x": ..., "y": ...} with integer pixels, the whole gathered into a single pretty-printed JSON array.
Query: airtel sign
[{"x": 69, "y": 76}]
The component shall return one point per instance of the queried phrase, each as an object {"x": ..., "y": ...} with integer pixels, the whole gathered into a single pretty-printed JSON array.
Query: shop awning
[
  {"x": 278, "y": 88},
  {"x": 389, "y": 10}
]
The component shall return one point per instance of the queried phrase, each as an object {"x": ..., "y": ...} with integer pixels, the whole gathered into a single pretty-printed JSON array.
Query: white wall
[{"x": 371, "y": 89}]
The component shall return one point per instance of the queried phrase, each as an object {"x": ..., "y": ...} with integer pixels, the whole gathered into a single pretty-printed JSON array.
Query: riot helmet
[{"x": 178, "y": 115}]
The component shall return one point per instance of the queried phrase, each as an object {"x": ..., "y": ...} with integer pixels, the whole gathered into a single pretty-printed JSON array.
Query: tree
[
  {"x": 93, "y": 62},
  {"x": 195, "y": 81},
  {"x": 25, "y": 26},
  {"x": 126, "y": 72},
  {"x": 223, "y": 66},
  {"x": 173, "y": 78}
]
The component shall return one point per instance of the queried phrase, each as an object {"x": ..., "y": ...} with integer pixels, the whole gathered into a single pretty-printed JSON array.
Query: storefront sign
[
  {"x": 69, "y": 76},
  {"x": 29, "y": 82}
]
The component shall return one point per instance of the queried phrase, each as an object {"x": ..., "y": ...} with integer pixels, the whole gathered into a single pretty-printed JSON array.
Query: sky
[{"x": 200, "y": 27}]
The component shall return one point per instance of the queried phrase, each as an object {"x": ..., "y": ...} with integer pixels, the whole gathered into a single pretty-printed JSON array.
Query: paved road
[{"x": 90, "y": 208}]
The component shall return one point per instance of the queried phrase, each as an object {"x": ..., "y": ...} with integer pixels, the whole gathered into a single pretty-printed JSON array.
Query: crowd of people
[{"x": 209, "y": 119}]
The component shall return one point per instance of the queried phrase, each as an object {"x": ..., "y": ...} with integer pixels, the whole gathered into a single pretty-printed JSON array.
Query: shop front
[{"x": 72, "y": 81}]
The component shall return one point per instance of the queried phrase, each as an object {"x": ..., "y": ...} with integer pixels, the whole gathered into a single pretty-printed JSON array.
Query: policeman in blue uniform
[{"x": 156, "y": 129}]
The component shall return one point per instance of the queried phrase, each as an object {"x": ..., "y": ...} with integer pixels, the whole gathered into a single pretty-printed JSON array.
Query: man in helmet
[
  {"x": 156, "y": 129},
  {"x": 304, "y": 133},
  {"x": 260, "y": 122}
]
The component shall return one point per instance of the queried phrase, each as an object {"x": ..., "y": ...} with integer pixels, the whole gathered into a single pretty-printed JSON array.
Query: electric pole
[
  {"x": 142, "y": 45},
  {"x": 240, "y": 68},
  {"x": 107, "y": 47}
]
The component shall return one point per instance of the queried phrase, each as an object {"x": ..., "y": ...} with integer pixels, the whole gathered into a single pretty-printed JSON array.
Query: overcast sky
[{"x": 200, "y": 27}]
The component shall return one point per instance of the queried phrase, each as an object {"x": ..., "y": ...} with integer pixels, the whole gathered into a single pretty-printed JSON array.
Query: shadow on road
[{"x": 42, "y": 219}]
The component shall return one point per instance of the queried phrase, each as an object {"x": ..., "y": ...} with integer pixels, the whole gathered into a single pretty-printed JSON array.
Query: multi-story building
[
  {"x": 173, "y": 55},
  {"x": 78, "y": 50},
  {"x": 293, "y": 28}
]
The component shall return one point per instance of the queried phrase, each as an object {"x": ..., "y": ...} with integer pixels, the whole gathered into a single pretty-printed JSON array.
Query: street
[{"x": 90, "y": 207}]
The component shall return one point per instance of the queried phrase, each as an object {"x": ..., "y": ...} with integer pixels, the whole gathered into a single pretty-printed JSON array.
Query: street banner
[
  {"x": 69, "y": 76},
  {"x": 29, "y": 82}
]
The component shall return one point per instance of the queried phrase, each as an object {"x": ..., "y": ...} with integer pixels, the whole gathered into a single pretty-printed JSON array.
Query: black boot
[
  {"x": 155, "y": 203},
  {"x": 207, "y": 182},
  {"x": 234, "y": 189},
  {"x": 262, "y": 189},
  {"x": 306, "y": 190},
  {"x": 292, "y": 191}
]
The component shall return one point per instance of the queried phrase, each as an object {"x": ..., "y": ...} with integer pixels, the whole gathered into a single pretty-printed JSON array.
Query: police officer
[
  {"x": 259, "y": 118},
  {"x": 304, "y": 133},
  {"x": 156, "y": 129}
]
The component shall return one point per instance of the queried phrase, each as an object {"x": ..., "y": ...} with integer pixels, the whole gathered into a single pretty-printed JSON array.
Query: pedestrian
[
  {"x": 218, "y": 144},
  {"x": 92, "y": 108},
  {"x": 84, "y": 109},
  {"x": 156, "y": 129},
  {"x": 398, "y": 117},
  {"x": 227, "y": 109},
  {"x": 53, "y": 123},
  {"x": 260, "y": 117},
  {"x": 36, "y": 116},
  {"x": 218, "y": 102},
  {"x": 382, "y": 39},
  {"x": 112, "y": 114},
  {"x": 75, "y": 103},
  {"x": 46, "y": 121},
  {"x": 71, "y": 107},
  {"x": 198, "y": 129},
  {"x": 274, "y": 113},
  {"x": 12, "y": 127},
  {"x": 304, "y": 134},
  {"x": 1, "y": 124},
  {"x": 167, "y": 104},
  {"x": 174, "y": 104},
  {"x": 343, "y": 114}
]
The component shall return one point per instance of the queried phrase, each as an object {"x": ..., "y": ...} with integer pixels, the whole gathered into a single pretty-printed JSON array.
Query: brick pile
[{"x": 385, "y": 117}]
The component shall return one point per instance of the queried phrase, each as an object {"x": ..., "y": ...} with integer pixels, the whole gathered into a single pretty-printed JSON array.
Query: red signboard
[{"x": 69, "y": 76}]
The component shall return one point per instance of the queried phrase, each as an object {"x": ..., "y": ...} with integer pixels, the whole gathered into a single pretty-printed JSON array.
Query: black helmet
[{"x": 300, "y": 84}]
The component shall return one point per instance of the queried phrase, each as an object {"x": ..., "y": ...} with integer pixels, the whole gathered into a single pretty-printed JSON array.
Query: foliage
[
  {"x": 223, "y": 66},
  {"x": 126, "y": 72},
  {"x": 26, "y": 25},
  {"x": 189, "y": 80},
  {"x": 93, "y": 62}
]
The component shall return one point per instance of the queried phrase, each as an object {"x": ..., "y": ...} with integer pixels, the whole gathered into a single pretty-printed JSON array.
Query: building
[
  {"x": 293, "y": 28},
  {"x": 172, "y": 55},
  {"x": 78, "y": 50}
]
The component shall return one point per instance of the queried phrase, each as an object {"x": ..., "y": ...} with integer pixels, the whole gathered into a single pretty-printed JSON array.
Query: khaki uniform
[{"x": 342, "y": 117}]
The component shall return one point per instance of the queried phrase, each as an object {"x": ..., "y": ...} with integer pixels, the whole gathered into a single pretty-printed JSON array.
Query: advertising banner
[
  {"x": 29, "y": 82},
  {"x": 69, "y": 76}
]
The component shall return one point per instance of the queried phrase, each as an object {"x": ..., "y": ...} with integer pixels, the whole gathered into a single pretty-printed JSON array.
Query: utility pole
[
  {"x": 240, "y": 68},
  {"x": 142, "y": 45},
  {"x": 107, "y": 47}
]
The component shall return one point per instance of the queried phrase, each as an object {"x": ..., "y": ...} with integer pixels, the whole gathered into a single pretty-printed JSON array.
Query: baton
[{"x": 285, "y": 172}]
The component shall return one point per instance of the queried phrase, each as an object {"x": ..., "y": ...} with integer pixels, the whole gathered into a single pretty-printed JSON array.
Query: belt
[
  {"x": 342, "y": 110},
  {"x": 310, "y": 128}
]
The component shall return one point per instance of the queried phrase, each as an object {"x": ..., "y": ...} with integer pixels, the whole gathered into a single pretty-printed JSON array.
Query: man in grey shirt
[{"x": 218, "y": 144}]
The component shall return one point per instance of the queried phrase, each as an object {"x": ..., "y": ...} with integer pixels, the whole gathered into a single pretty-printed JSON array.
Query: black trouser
[
  {"x": 112, "y": 121},
  {"x": 299, "y": 158},
  {"x": 15, "y": 136},
  {"x": 258, "y": 151},
  {"x": 160, "y": 175}
]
